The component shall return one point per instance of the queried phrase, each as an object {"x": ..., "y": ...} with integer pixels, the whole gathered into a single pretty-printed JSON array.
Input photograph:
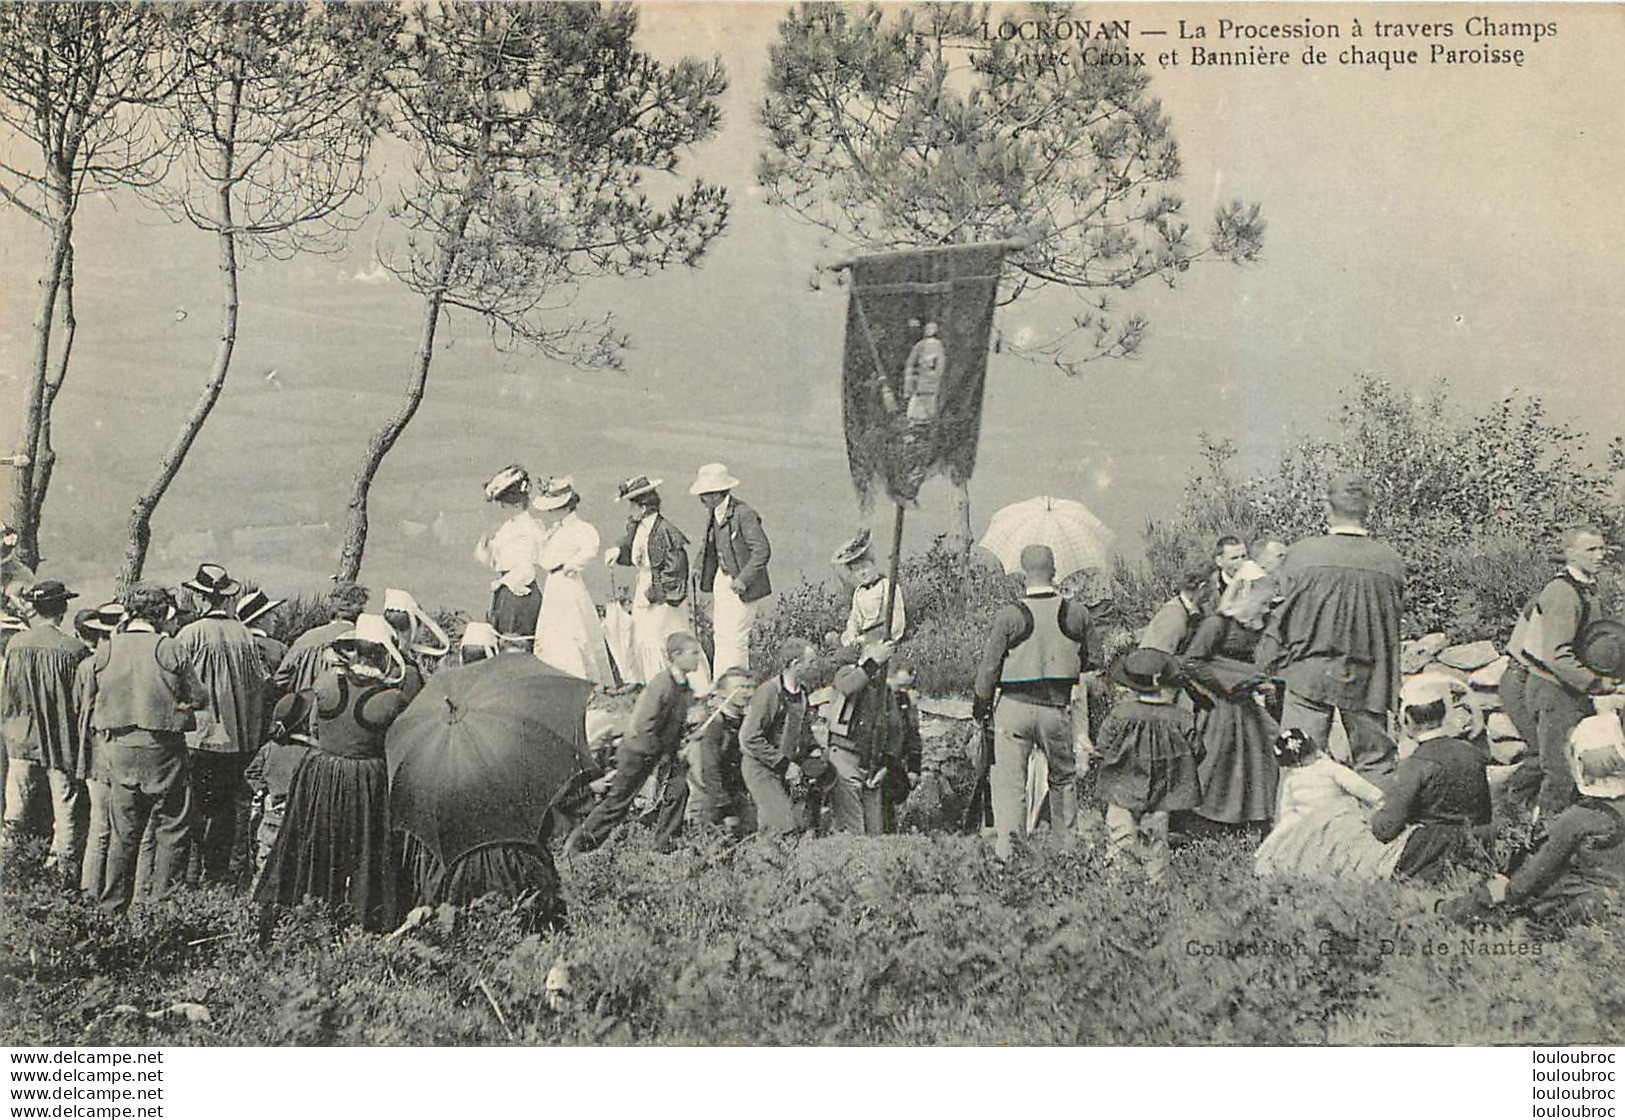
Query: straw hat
[
  {"x": 852, "y": 551},
  {"x": 47, "y": 591},
  {"x": 108, "y": 618},
  {"x": 637, "y": 487},
  {"x": 711, "y": 479},
  {"x": 255, "y": 606},
  {"x": 372, "y": 630},
  {"x": 397, "y": 600},
  {"x": 212, "y": 580},
  {"x": 555, "y": 493}
]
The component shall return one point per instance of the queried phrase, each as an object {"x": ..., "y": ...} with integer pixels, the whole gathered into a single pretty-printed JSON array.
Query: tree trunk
[
  {"x": 355, "y": 529},
  {"x": 449, "y": 246},
  {"x": 43, "y": 454},
  {"x": 140, "y": 523},
  {"x": 23, "y": 506},
  {"x": 959, "y": 537}
]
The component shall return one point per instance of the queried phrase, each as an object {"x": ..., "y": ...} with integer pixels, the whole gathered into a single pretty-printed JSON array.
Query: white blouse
[
  {"x": 570, "y": 547},
  {"x": 513, "y": 551}
]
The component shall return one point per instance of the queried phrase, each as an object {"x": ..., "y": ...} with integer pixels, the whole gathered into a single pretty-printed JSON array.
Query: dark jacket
[
  {"x": 659, "y": 717},
  {"x": 668, "y": 559},
  {"x": 1443, "y": 781},
  {"x": 777, "y": 730},
  {"x": 739, "y": 548}
]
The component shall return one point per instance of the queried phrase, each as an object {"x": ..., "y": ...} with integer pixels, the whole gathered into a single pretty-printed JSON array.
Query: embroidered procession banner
[{"x": 917, "y": 327}]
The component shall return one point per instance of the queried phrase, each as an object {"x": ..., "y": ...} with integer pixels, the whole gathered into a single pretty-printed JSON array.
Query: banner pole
[{"x": 891, "y": 580}]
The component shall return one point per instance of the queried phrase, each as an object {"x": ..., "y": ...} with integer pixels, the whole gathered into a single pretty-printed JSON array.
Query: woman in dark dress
[
  {"x": 1239, "y": 774},
  {"x": 334, "y": 843}
]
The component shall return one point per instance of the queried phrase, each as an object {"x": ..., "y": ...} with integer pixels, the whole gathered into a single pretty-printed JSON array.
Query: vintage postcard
[{"x": 812, "y": 524}]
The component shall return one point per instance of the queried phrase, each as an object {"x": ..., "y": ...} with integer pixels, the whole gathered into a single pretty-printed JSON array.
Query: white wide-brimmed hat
[
  {"x": 555, "y": 493},
  {"x": 1597, "y": 756},
  {"x": 854, "y": 549},
  {"x": 397, "y": 600},
  {"x": 713, "y": 478},
  {"x": 373, "y": 630}
]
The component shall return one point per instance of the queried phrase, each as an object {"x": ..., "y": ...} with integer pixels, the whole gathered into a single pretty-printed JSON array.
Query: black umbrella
[{"x": 480, "y": 754}]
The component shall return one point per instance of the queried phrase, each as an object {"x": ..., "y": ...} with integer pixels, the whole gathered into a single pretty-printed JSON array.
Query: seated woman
[
  {"x": 1321, "y": 825},
  {"x": 1441, "y": 787},
  {"x": 1580, "y": 870}
]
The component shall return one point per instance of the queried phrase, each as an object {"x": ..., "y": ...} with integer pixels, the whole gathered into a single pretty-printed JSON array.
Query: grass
[{"x": 915, "y": 939}]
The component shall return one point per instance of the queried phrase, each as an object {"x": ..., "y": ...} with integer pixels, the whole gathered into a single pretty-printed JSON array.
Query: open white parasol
[{"x": 1078, "y": 538}]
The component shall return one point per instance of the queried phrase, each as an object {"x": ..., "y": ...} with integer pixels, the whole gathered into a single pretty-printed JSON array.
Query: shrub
[
  {"x": 1473, "y": 499},
  {"x": 950, "y": 602},
  {"x": 905, "y": 940}
]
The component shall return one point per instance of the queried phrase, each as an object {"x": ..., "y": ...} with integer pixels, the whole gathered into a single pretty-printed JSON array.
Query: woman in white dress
[{"x": 569, "y": 636}]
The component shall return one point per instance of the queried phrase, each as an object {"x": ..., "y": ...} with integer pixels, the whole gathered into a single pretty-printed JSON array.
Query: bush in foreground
[{"x": 907, "y": 940}]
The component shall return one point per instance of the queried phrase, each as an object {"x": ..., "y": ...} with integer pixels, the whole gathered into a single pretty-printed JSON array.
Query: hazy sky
[{"x": 1464, "y": 222}]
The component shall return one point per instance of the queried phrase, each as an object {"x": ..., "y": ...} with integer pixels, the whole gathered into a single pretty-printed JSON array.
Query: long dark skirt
[
  {"x": 516, "y": 872},
  {"x": 334, "y": 843},
  {"x": 1239, "y": 775},
  {"x": 516, "y": 614}
]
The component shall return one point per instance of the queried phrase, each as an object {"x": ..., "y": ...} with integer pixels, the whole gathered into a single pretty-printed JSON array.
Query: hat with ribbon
[
  {"x": 555, "y": 493},
  {"x": 47, "y": 591},
  {"x": 712, "y": 478},
  {"x": 510, "y": 481},
  {"x": 853, "y": 550},
  {"x": 1146, "y": 670},
  {"x": 255, "y": 606},
  {"x": 637, "y": 487},
  {"x": 107, "y": 618},
  {"x": 213, "y": 581}
]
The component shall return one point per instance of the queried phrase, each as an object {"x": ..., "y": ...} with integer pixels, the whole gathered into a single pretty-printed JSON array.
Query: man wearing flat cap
[
  {"x": 230, "y": 725},
  {"x": 1334, "y": 638},
  {"x": 39, "y": 722},
  {"x": 733, "y": 565},
  {"x": 866, "y": 621}
]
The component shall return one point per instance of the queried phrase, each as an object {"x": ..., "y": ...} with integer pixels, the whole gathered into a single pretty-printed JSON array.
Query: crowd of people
[{"x": 177, "y": 742}]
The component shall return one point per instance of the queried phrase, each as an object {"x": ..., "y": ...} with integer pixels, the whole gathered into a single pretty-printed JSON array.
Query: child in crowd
[
  {"x": 270, "y": 773},
  {"x": 1146, "y": 760},
  {"x": 1322, "y": 830},
  {"x": 716, "y": 788}
]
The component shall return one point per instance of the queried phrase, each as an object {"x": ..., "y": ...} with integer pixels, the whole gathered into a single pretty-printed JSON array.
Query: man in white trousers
[{"x": 737, "y": 548}]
